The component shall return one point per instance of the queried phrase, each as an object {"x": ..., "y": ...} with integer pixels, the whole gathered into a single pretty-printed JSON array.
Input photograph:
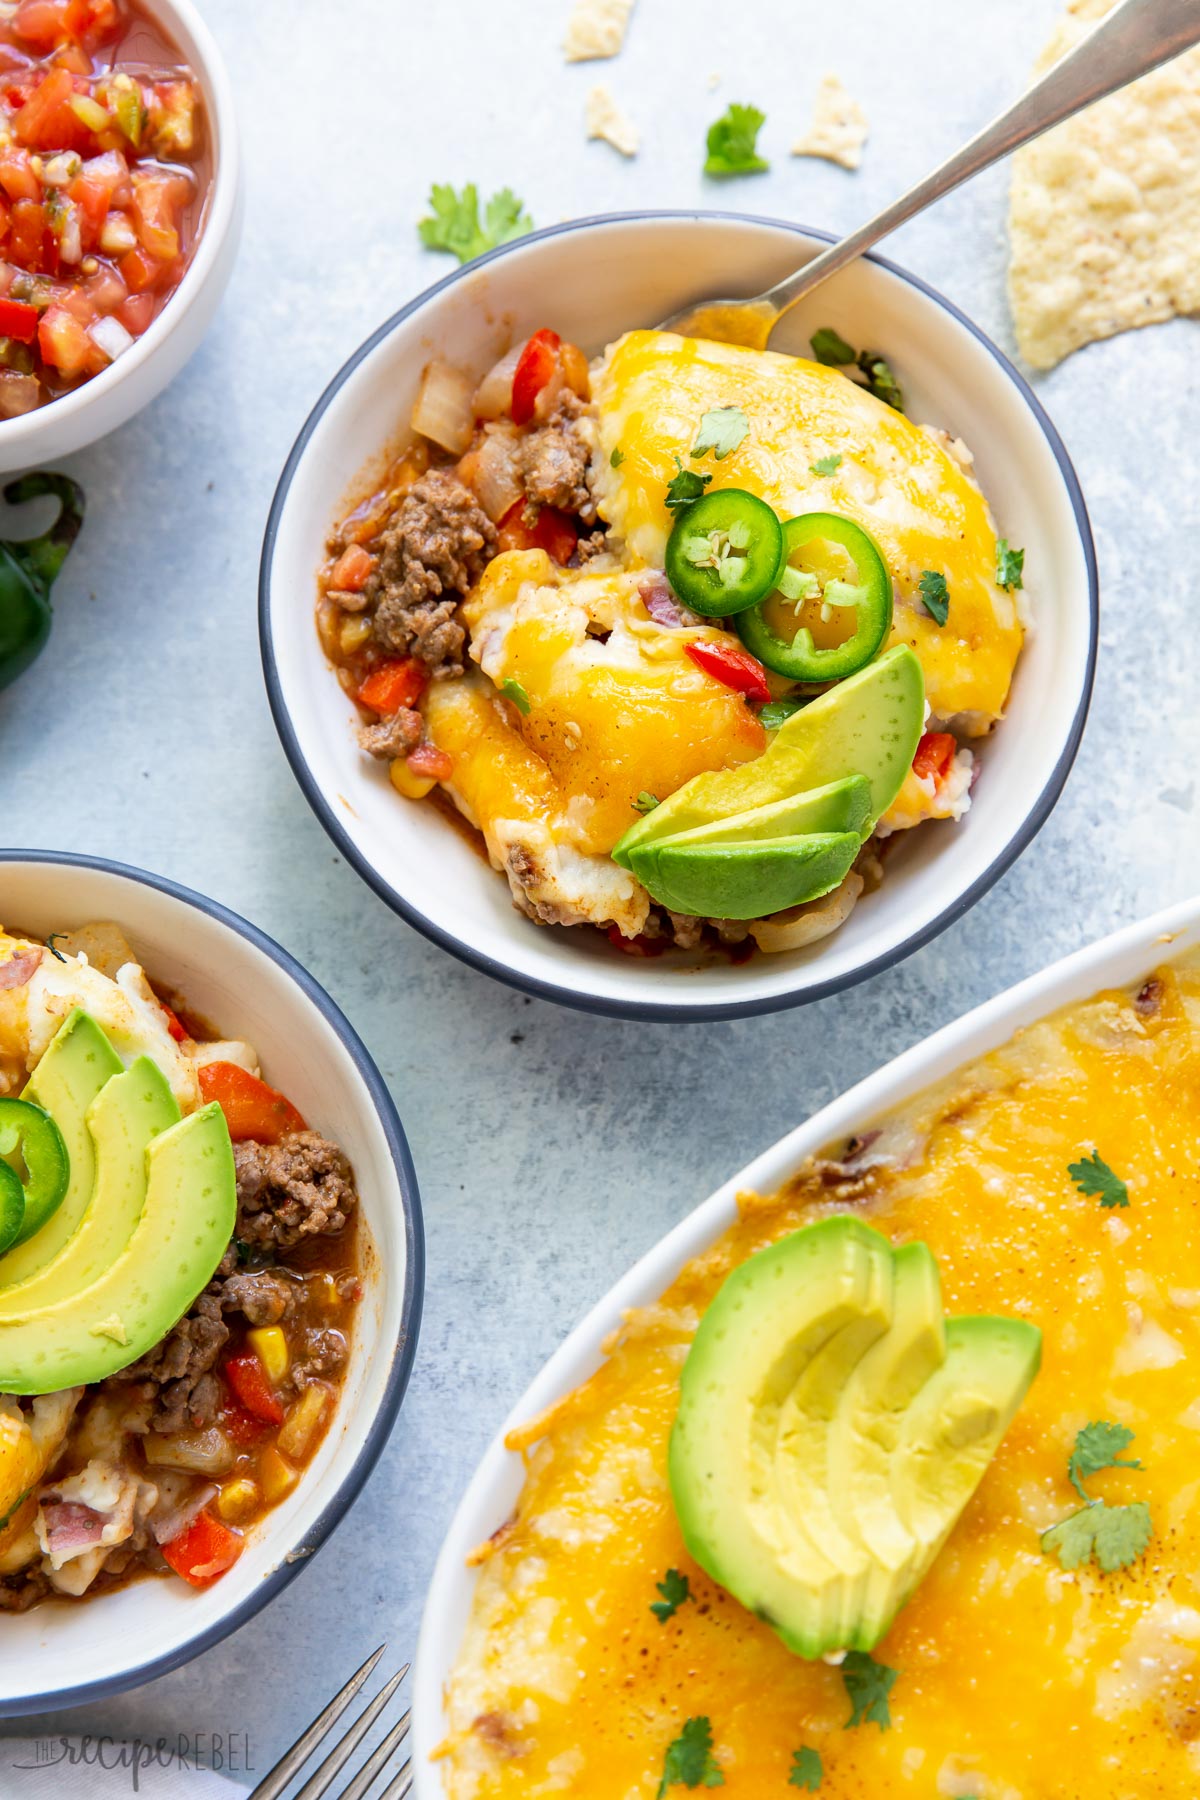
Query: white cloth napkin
[{"x": 54, "y": 1767}]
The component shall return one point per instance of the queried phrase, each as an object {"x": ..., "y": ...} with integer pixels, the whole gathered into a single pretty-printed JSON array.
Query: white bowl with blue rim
[
  {"x": 60, "y": 1653},
  {"x": 591, "y": 280}
]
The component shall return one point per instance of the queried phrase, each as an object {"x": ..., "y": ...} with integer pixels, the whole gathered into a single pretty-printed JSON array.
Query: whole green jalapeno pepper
[{"x": 29, "y": 568}]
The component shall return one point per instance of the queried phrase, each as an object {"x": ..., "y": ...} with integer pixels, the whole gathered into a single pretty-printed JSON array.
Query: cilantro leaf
[
  {"x": 777, "y": 712},
  {"x": 674, "y": 1586},
  {"x": 689, "y": 1760},
  {"x": 868, "y": 1684},
  {"x": 645, "y": 803},
  {"x": 1093, "y": 1176},
  {"x": 1010, "y": 565},
  {"x": 721, "y": 431},
  {"x": 617, "y": 457},
  {"x": 733, "y": 143},
  {"x": 880, "y": 380},
  {"x": 512, "y": 690},
  {"x": 826, "y": 465},
  {"x": 936, "y": 595},
  {"x": 453, "y": 223},
  {"x": 1096, "y": 1448},
  {"x": 1115, "y": 1535},
  {"x": 830, "y": 349},
  {"x": 686, "y": 487},
  {"x": 807, "y": 1769}
]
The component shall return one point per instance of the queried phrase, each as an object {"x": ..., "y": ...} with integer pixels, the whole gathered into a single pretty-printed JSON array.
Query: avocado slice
[
  {"x": 867, "y": 1428},
  {"x": 181, "y": 1236},
  {"x": 739, "y": 1494},
  {"x": 869, "y": 724},
  {"x": 831, "y": 1428},
  {"x": 744, "y": 880},
  {"x": 74, "y": 1067},
  {"x": 838, "y": 806},
  {"x": 129, "y": 1111}
]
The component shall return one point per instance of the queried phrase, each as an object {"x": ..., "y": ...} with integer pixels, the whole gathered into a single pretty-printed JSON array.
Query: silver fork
[{"x": 319, "y": 1782}]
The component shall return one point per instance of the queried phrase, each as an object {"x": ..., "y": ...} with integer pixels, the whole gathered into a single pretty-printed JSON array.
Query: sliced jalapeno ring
[
  {"x": 806, "y": 582},
  {"x": 42, "y": 1165},
  {"x": 725, "y": 553}
]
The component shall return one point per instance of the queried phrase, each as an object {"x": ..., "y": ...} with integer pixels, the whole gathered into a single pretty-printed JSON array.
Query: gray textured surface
[{"x": 552, "y": 1148}]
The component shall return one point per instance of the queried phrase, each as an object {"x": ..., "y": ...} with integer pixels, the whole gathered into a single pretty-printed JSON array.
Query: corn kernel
[
  {"x": 277, "y": 1475},
  {"x": 269, "y": 1344},
  {"x": 298, "y": 1429},
  {"x": 413, "y": 787},
  {"x": 327, "y": 1292},
  {"x": 354, "y": 634},
  {"x": 237, "y": 1499}
]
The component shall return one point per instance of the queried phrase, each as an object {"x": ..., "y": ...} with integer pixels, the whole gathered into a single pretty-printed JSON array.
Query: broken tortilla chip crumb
[
  {"x": 596, "y": 28},
  {"x": 605, "y": 119},
  {"x": 1104, "y": 214},
  {"x": 839, "y": 127}
]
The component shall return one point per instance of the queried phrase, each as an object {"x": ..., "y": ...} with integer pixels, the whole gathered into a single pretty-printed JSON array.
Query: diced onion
[
  {"x": 205, "y": 1452},
  {"x": 70, "y": 243},
  {"x": 493, "y": 396},
  {"x": 443, "y": 412},
  {"x": 804, "y": 925},
  {"x": 117, "y": 234},
  {"x": 495, "y": 477},
  {"x": 168, "y": 1523},
  {"x": 296, "y": 1432},
  {"x": 110, "y": 336}
]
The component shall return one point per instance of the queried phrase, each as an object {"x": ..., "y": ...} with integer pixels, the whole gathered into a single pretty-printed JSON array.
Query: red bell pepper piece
[
  {"x": 526, "y": 527},
  {"x": 251, "y": 1108},
  {"x": 17, "y": 320},
  {"x": 351, "y": 570},
  {"x": 175, "y": 1024},
  {"x": 204, "y": 1550},
  {"x": 935, "y": 754},
  {"x": 535, "y": 367},
  {"x": 730, "y": 664},
  {"x": 393, "y": 685},
  {"x": 240, "y": 1425},
  {"x": 249, "y": 1381},
  {"x": 430, "y": 763}
]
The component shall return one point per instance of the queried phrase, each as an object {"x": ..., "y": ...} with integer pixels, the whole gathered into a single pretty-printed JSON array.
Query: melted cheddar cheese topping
[
  {"x": 896, "y": 479},
  {"x": 1015, "y": 1677}
]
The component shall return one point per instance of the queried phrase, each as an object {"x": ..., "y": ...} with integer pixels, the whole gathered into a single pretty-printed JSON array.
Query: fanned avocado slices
[{"x": 744, "y": 880}]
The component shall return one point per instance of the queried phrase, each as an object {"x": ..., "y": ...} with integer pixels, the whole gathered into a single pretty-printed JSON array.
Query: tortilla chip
[
  {"x": 596, "y": 28},
  {"x": 1104, "y": 217},
  {"x": 604, "y": 119},
  {"x": 839, "y": 128}
]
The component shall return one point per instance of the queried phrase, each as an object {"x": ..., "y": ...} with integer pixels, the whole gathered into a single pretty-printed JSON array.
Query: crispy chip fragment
[
  {"x": 605, "y": 119},
  {"x": 1104, "y": 217},
  {"x": 596, "y": 28},
  {"x": 839, "y": 127}
]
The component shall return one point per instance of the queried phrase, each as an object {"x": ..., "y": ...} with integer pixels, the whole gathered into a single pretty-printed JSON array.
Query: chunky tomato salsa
[{"x": 102, "y": 187}]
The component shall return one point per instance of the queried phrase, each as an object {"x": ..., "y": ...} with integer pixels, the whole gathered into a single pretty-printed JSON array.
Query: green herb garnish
[
  {"x": 936, "y": 595},
  {"x": 674, "y": 1586},
  {"x": 646, "y": 803},
  {"x": 512, "y": 690},
  {"x": 689, "y": 1760},
  {"x": 721, "y": 431},
  {"x": 454, "y": 223},
  {"x": 868, "y": 1684},
  {"x": 826, "y": 465},
  {"x": 685, "y": 488},
  {"x": 1093, "y": 1176},
  {"x": 617, "y": 457},
  {"x": 807, "y": 1770},
  {"x": 1115, "y": 1535},
  {"x": 1097, "y": 1447},
  {"x": 831, "y": 349},
  {"x": 777, "y": 712},
  {"x": 1010, "y": 565},
  {"x": 732, "y": 143}
]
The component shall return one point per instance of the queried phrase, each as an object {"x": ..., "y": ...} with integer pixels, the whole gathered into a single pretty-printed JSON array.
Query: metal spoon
[{"x": 1136, "y": 37}]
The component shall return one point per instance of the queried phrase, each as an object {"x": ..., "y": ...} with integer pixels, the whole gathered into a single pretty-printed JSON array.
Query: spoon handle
[{"x": 1136, "y": 37}]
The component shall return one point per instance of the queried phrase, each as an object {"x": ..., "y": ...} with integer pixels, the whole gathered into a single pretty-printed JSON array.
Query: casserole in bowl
[
  {"x": 171, "y": 1458},
  {"x": 614, "y": 275}
]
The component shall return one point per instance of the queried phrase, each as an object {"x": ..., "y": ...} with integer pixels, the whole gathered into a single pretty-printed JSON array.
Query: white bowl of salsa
[{"x": 120, "y": 211}]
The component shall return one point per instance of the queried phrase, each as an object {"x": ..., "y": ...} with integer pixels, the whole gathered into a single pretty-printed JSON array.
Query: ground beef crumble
[
  {"x": 392, "y": 737},
  {"x": 554, "y": 461},
  {"x": 431, "y": 552},
  {"x": 300, "y": 1187}
]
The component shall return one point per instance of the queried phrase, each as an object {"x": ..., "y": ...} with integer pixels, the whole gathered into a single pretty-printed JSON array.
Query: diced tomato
[
  {"x": 93, "y": 19},
  {"x": 17, "y": 177},
  {"x": 140, "y": 271},
  {"x": 93, "y": 200},
  {"x": 175, "y": 1024},
  {"x": 249, "y": 1381},
  {"x": 528, "y": 527},
  {"x": 27, "y": 229},
  {"x": 18, "y": 321},
  {"x": 46, "y": 121},
  {"x": 40, "y": 23},
  {"x": 251, "y": 1108},
  {"x": 204, "y": 1550},
  {"x": 430, "y": 763},
  {"x": 535, "y": 367},
  {"x": 393, "y": 685},
  {"x": 136, "y": 313},
  {"x": 156, "y": 200},
  {"x": 935, "y": 754},
  {"x": 350, "y": 571},
  {"x": 730, "y": 664},
  {"x": 240, "y": 1425},
  {"x": 63, "y": 341}
]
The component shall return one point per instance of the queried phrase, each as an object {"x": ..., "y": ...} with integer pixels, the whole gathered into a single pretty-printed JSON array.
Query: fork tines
[{"x": 320, "y": 1781}]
